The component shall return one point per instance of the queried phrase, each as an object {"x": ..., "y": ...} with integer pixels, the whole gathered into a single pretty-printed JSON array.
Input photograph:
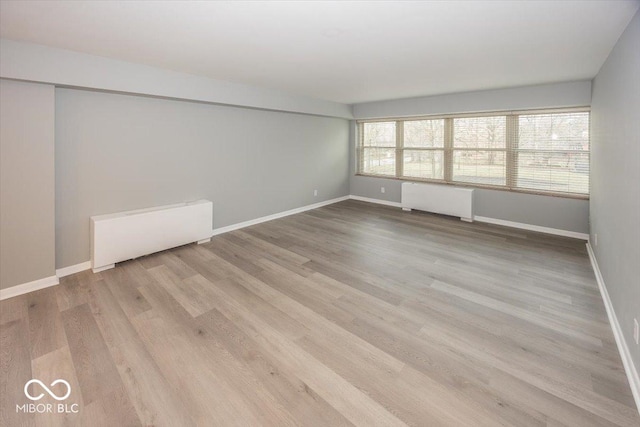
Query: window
[
  {"x": 480, "y": 150},
  {"x": 533, "y": 151},
  {"x": 552, "y": 152},
  {"x": 423, "y": 149},
  {"x": 378, "y": 155}
]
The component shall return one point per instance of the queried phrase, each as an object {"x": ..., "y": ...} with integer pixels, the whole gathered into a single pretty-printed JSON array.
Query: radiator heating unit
[
  {"x": 126, "y": 235},
  {"x": 441, "y": 199}
]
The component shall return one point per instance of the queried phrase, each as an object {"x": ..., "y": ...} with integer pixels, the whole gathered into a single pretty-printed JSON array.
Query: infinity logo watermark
[
  {"x": 52, "y": 394},
  {"x": 50, "y": 408}
]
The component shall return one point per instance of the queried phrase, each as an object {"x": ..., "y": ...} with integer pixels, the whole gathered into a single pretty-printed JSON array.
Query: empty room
[{"x": 320, "y": 213}]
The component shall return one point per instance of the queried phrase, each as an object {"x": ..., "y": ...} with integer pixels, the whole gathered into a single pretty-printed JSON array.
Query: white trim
[
  {"x": 512, "y": 224},
  {"x": 244, "y": 224},
  {"x": 531, "y": 227},
  {"x": 24, "y": 288},
  {"x": 623, "y": 349},
  {"x": 36, "y": 285},
  {"x": 377, "y": 201},
  {"x": 73, "y": 269},
  {"x": 103, "y": 268}
]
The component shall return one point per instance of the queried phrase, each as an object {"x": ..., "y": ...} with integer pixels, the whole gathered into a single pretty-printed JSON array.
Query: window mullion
[
  {"x": 360, "y": 147},
  {"x": 448, "y": 149},
  {"x": 512, "y": 153},
  {"x": 399, "y": 148}
]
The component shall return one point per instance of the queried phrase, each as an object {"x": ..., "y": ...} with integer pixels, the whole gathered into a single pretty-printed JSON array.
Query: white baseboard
[
  {"x": 14, "y": 291},
  {"x": 24, "y": 288},
  {"x": 66, "y": 271},
  {"x": 103, "y": 268},
  {"x": 530, "y": 227},
  {"x": 512, "y": 224},
  {"x": 73, "y": 269},
  {"x": 377, "y": 201},
  {"x": 228, "y": 228},
  {"x": 46, "y": 282},
  {"x": 623, "y": 349}
]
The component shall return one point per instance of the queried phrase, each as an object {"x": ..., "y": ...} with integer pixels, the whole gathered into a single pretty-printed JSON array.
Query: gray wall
[
  {"x": 120, "y": 152},
  {"x": 38, "y": 63},
  {"x": 569, "y": 94},
  {"x": 545, "y": 211},
  {"x": 615, "y": 182},
  {"x": 27, "y": 239}
]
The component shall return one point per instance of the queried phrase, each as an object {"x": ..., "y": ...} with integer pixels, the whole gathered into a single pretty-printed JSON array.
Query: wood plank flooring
[{"x": 351, "y": 314}]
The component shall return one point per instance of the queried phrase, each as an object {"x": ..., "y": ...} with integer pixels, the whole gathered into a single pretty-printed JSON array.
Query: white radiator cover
[
  {"x": 126, "y": 235},
  {"x": 442, "y": 199}
]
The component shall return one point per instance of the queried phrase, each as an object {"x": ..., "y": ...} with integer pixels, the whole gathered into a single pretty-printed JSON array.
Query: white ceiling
[{"x": 347, "y": 52}]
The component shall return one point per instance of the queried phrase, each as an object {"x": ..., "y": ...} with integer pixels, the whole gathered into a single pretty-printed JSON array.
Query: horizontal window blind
[
  {"x": 531, "y": 151},
  {"x": 479, "y": 150},
  {"x": 422, "y": 149},
  {"x": 551, "y": 152},
  {"x": 378, "y": 153}
]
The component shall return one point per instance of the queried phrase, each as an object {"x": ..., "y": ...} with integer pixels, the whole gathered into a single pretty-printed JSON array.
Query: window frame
[
  {"x": 477, "y": 149},
  {"x": 400, "y": 152},
  {"x": 363, "y": 147},
  {"x": 511, "y": 150}
]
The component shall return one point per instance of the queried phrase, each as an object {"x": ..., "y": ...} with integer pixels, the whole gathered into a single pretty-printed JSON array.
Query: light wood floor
[{"x": 348, "y": 314}]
